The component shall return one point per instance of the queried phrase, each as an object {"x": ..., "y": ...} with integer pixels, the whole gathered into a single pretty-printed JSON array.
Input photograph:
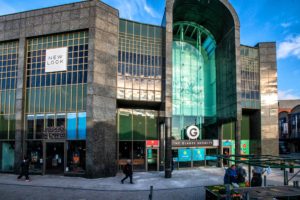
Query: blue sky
[{"x": 261, "y": 21}]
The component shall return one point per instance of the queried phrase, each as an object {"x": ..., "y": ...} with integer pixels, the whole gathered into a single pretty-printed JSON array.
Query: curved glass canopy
[{"x": 194, "y": 79}]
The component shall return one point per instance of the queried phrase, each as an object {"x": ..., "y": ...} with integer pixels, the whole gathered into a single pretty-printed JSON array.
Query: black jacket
[
  {"x": 25, "y": 165},
  {"x": 127, "y": 169}
]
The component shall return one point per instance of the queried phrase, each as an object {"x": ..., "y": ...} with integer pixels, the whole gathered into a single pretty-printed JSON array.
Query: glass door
[
  {"x": 152, "y": 159},
  {"x": 54, "y": 158}
]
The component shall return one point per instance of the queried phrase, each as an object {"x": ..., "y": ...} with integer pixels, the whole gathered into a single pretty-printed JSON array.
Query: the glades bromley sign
[
  {"x": 192, "y": 132},
  {"x": 56, "y": 59}
]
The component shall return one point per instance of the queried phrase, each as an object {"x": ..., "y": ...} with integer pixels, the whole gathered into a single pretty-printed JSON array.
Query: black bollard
[{"x": 151, "y": 193}]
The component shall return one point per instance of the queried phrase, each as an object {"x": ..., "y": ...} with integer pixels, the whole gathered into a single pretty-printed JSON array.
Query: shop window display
[
  {"x": 7, "y": 154},
  {"x": 35, "y": 155},
  {"x": 139, "y": 155},
  {"x": 76, "y": 157}
]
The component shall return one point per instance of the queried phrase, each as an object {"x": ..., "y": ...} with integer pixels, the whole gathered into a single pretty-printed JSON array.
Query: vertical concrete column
[
  {"x": 168, "y": 148},
  {"x": 168, "y": 87},
  {"x": 101, "y": 139},
  {"x": 220, "y": 136},
  {"x": 20, "y": 104},
  {"x": 237, "y": 137},
  {"x": 269, "y": 137}
]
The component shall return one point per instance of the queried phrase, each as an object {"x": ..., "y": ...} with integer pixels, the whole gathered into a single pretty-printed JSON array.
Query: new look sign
[{"x": 56, "y": 59}]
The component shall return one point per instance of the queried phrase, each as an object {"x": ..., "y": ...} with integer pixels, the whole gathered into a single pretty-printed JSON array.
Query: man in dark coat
[
  {"x": 256, "y": 180},
  {"x": 230, "y": 175},
  {"x": 241, "y": 174},
  {"x": 127, "y": 169},
  {"x": 24, "y": 168}
]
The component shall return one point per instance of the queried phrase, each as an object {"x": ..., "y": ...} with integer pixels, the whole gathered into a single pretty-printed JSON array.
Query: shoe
[
  {"x": 131, "y": 183},
  {"x": 27, "y": 180},
  {"x": 122, "y": 182}
]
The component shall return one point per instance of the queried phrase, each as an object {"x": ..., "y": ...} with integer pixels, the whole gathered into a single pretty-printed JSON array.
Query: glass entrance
[
  {"x": 194, "y": 80},
  {"x": 55, "y": 158},
  {"x": 152, "y": 159}
]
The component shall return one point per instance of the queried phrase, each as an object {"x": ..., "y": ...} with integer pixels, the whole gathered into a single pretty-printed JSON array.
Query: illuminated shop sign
[
  {"x": 152, "y": 143},
  {"x": 192, "y": 143},
  {"x": 198, "y": 154},
  {"x": 192, "y": 132},
  {"x": 184, "y": 155},
  {"x": 56, "y": 59}
]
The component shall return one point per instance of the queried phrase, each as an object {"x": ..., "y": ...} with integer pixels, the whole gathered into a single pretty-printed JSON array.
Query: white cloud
[
  {"x": 287, "y": 95},
  {"x": 138, "y": 10},
  {"x": 149, "y": 9},
  {"x": 289, "y": 47},
  {"x": 6, "y": 8},
  {"x": 285, "y": 25}
]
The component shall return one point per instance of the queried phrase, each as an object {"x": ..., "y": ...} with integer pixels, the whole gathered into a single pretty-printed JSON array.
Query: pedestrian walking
[
  {"x": 256, "y": 180},
  {"x": 230, "y": 175},
  {"x": 241, "y": 174},
  {"x": 127, "y": 170},
  {"x": 24, "y": 168}
]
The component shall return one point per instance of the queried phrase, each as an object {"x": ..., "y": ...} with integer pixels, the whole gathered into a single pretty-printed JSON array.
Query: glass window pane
[
  {"x": 152, "y": 128},
  {"x": 57, "y": 99},
  {"x": 138, "y": 155},
  {"x": 128, "y": 94},
  {"x": 12, "y": 127},
  {"x": 39, "y": 126},
  {"x": 63, "y": 98},
  {"x": 79, "y": 98},
  {"x": 71, "y": 126},
  {"x": 68, "y": 98},
  {"x": 84, "y": 97},
  {"x": 47, "y": 99},
  {"x": 82, "y": 126},
  {"x": 31, "y": 100},
  {"x": 125, "y": 124},
  {"x": 50, "y": 120},
  {"x": 125, "y": 150},
  {"x": 42, "y": 100},
  {"x": 151, "y": 95},
  {"x": 76, "y": 156},
  {"x": 30, "y": 126},
  {"x": 37, "y": 100},
  {"x": 3, "y": 127},
  {"x": 61, "y": 120},
  {"x": 35, "y": 155},
  {"x": 74, "y": 97},
  {"x": 52, "y": 104},
  {"x": 139, "y": 125},
  {"x": 7, "y": 155}
]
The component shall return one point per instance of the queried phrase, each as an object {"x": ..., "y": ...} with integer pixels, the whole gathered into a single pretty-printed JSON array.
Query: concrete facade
[
  {"x": 288, "y": 121},
  {"x": 269, "y": 97},
  {"x": 102, "y": 22}
]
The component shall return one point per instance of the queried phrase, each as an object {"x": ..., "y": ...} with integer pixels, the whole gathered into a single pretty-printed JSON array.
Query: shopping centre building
[
  {"x": 82, "y": 90},
  {"x": 289, "y": 126}
]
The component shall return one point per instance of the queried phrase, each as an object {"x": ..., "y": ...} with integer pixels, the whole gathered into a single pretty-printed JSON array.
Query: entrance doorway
[
  {"x": 54, "y": 158},
  {"x": 226, "y": 152},
  {"x": 152, "y": 159}
]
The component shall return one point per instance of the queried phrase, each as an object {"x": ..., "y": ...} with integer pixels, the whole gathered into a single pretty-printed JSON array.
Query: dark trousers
[
  {"x": 24, "y": 173},
  {"x": 127, "y": 175},
  {"x": 256, "y": 180}
]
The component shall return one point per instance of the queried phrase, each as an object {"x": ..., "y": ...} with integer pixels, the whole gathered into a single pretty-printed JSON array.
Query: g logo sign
[{"x": 192, "y": 132}]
